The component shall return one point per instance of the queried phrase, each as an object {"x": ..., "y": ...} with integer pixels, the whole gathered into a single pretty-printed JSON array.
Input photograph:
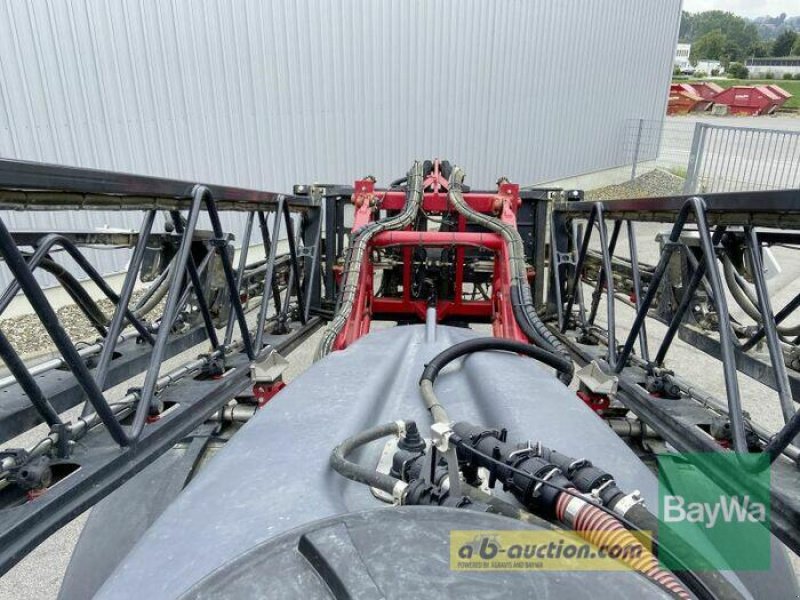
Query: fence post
[
  {"x": 636, "y": 148},
  {"x": 695, "y": 156}
]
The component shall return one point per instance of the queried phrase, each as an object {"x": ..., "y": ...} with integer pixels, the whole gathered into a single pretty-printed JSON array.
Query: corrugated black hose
[{"x": 521, "y": 298}]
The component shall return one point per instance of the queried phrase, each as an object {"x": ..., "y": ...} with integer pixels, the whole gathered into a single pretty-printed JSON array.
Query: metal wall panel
[{"x": 266, "y": 94}]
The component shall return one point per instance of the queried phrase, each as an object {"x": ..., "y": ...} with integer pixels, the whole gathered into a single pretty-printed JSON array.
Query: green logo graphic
[{"x": 709, "y": 523}]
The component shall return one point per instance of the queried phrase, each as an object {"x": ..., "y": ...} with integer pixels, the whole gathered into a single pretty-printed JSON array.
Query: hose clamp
[
  {"x": 628, "y": 502},
  {"x": 599, "y": 489},
  {"x": 577, "y": 463},
  {"x": 440, "y": 436},
  {"x": 399, "y": 492},
  {"x": 542, "y": 481},
  {"x": 526, "y": 449},
  {"x": 574, "y": 506}
]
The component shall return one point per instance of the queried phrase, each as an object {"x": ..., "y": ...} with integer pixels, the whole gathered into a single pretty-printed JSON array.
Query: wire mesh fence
[
  {"x": 728, "y": 159},
  {"x": 715, "y": 158},
  {"x": 656, "y": 143}
]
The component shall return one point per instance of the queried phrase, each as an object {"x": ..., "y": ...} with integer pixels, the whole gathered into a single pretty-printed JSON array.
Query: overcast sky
[{"x": 746, "y": 8}]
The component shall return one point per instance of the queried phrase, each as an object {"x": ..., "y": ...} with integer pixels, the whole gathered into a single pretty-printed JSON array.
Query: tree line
[{"x": 728, "y": 38}]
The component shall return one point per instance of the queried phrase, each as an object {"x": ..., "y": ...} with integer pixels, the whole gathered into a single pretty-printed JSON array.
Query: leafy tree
[
  {"x": 686, "y": 25},
  {"x": 731, "y": 52},
  {"x": 737, "y": 71},
  {"x": 761, "y": 49},
  {"x": 723, "y": 36},
  {"x": 740, "y": 34},
  {"x": 711, "y": 46},
  {"x": 784, "y": 43},
  {"x": 740, "y": 31}
]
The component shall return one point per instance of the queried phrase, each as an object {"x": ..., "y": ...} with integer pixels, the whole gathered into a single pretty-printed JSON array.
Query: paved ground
[
  {"x": 781, "y": 121},
  {"x": 761, "y": 153}
]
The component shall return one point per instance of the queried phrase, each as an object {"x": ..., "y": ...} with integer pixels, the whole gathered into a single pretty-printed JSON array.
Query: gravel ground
[
  {"x": 657, "y": 182},
  {"x": 30, "y": 339}
]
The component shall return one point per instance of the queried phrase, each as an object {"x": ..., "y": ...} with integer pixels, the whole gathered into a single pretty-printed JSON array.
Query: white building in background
[
  {"x": 267, "y": 94},
  {"x": 707, "y": 66},
  {"x": 760, "y": 67},
  {"x": 682, "y": 53}
]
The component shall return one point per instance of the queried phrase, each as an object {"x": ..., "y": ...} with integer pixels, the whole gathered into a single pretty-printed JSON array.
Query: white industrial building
[
  {"x": 777, "y": 67},
  {"x": 267, "y": 94},
  {"x": 707, "y": 66},
  {"x": 682, "y": 54}
]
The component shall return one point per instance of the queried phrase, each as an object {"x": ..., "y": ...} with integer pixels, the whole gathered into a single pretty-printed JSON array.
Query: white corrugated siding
[{"x": 267, "y": 94}]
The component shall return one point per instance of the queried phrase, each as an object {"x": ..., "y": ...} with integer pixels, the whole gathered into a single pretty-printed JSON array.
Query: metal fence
[
  {"x": 729, "y": 159},
  {"x": 656, "y": 143},
  {"x": 715, "y": 158}
]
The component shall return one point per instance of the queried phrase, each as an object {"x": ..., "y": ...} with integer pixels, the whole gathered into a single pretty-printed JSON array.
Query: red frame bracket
[{"x": 369, "y": 202}]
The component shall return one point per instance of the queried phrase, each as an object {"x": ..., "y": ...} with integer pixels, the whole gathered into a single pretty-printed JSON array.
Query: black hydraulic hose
[
  {"x": 438, "y": 362},
  {"x": 501, "y": 507},
  {"x": 696, "y": 582},
  {"x": 160, "y": 278},
  {"x": 745, "y": 298},
  {"x": 356, "y": 472},
  {"x": 398, "y": 182},
  {"x": 78, "y": 294},
  {"x": 521, "y": 297},
  {"x": 70, "y": 284},
  {"x": 90, "y": 308},
  {"x": 587, "y": 477},
  {"x": 153, "y": 295},
  {"x": 445, "y": 357},
  {"x": 532, "y": 326}
]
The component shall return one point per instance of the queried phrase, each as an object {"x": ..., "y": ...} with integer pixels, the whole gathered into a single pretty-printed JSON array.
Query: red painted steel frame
[{"x": 369, "y": 201}]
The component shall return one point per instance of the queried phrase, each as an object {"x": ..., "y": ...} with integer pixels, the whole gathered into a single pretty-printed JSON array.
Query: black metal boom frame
[
  {"x": 293, "y": 287},
  {"x": 206, "y": 301},
  {"x": 702, "y": 232}
]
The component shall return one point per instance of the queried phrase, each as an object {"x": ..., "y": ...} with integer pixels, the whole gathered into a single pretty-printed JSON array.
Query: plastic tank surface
[{"x": 272, "y": 484}]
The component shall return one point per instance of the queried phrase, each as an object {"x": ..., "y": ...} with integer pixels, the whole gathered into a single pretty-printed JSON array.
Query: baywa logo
[
  {"x": 714, "y": 523},
  {"x": 731, "y": 509}
]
